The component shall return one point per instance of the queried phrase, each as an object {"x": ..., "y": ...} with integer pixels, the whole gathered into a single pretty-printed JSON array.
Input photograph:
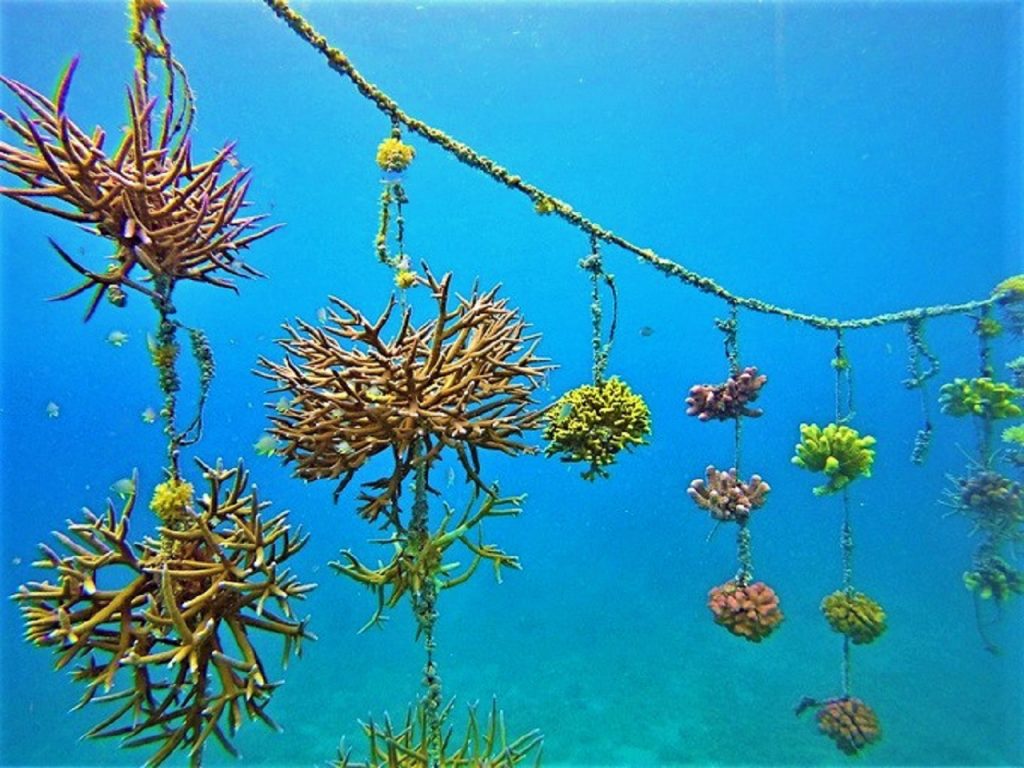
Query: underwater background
[{"x": 844, "y": 159}]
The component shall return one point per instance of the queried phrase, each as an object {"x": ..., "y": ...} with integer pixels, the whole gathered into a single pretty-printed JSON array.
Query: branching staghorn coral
[
  {"x": 162, "y": 629},
  {"x": 464, "y": 380},
  {"x": 419, "y": 559},
  {"x": 170, "y": 217},
  {"x": 485, "y": 744}
]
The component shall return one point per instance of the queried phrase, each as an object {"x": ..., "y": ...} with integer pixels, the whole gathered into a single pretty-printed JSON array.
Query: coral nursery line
[
  {"x": 547, "y": 204},
  {"x": 162, "y": 627}
]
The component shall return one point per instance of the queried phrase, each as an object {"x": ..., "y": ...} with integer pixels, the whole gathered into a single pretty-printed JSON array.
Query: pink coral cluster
[
  {"x": 748, "y": 610},
  {"x": 850, "y": 723},
  {"x": 726, "y": 497},
  {"x": 728, "y": 400}
]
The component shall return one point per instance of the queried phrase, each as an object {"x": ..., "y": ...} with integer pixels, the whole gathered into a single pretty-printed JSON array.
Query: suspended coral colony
[{"x": 169, "y": 657}]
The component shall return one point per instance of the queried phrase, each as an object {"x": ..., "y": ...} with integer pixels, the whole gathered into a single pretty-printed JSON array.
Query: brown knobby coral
[
  {"x": 174, "y": 219},
  {"x": 850, "y": 723},
  {"x": 163, "y": 629},
  {"x": 750, "y": 611},
  {"x": 463, "y": 380},
  {"x": 728, "y": 400},
  {"x": 726, "y": 497}
]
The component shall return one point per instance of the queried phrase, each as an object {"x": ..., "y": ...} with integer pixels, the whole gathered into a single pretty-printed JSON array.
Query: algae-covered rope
[{"x": 340, "y": 63}]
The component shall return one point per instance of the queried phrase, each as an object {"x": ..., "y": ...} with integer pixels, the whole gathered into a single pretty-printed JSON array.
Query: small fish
[
  {"x": 148, "y": 416},
  {"x": 124, "y": 487},
  {"x": 233, "y": 160},
  {"x": 565, "y": 410},
  {"x": 52, "y": 410},
  {"x": 151, "y": 343},
  {"x": 343, "y": 447},
  {"x": 646, "y": 331},
  {"x": 266, "y": 446},
  {"x": 282, "y": 405},
  {"x": 15, "y": 561},
  {"x": 451, "y": 476},
  {"x": 117, "y": 338},
  {"x": 321, "y": 315}
]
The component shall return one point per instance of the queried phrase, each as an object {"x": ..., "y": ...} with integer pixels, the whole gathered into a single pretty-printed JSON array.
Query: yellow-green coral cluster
[
  {"x": 171, "y": 500},
  {"x": 1014, "y": 435},
  {"x": 995, "y": 578},
  {"x": 1010, "y": 289},
  {"x": 593, "y": 423},
  {"x": 838, "y": 451},
  {"x": 393, "y": 156},
  {"x": 980, "y": 397},
  {"x": 405, "y": 278},
  {"x": 855, "y": 615}
]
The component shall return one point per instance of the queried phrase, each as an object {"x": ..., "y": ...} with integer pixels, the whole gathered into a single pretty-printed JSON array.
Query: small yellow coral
[
  {"x": 406, "y": 278},
  {"x": 171, "y": 500},
  {"x": 544, "y": 206},
  {"x": 838, "y": 451},
  {"x": 593, "y": 423},
  {"x": 855, "y": 615},
  {"x": 393, "y": 156}
]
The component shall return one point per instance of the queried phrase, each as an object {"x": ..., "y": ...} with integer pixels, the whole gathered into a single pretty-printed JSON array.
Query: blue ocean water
[{"x": 840, "y": 159}]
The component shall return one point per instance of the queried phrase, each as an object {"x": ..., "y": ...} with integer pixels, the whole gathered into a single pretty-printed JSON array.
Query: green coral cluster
[
  {"x": 1014, "y": 435},
  {"x": 987, "y": 327},
  {"x": 855, "y": 615},
  {"x": 1010, "y": 289},
  {"x": 593, "y": 423},
  {"x": 995, "y": 578},
  {"x": 838, "y": 451},
  {"x": 981, "y": 396}
]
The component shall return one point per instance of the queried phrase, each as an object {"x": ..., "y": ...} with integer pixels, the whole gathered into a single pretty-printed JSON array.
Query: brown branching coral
[
  {"x": 485, "y": 743},
  {"x": 162, "y": 629},
  {"x": 174, "y": 219},
  {"x": 419, "y": 558},
  {"x": 464, "y": 380},
  {"x": 726, "y": 497}
]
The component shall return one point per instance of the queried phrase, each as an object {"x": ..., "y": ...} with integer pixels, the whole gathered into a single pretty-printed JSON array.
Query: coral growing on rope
[
  {"x": 750, "y": 611},
  {"x": 728, "y": 400},
  {"x": 593, "y": 423},
  {"x": 855, "y": 615},
  {"x": 994, "y": 578},
  {"x": 165, "y": 629},
  {"x": 393, "y": 156},
  {"x": 837, "y": 450},
  {"x": 463, "y": 380},
  {"x": 980, "y": 397},
  {"x": 163, "y": 213},
  {"x": 726, "y": 497},
  {"x": 485, "y": 743},
  {"x": 850, "y": 723}
]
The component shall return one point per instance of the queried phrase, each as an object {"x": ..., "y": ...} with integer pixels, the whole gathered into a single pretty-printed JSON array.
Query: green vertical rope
[
  {"x": 424, "y": 604},
  {"x": 593, "y": 265}
]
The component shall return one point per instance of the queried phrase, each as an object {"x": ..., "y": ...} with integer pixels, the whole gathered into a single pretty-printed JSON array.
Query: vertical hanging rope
[
  {"x": 986, "y": 431},
  {"x": 601, "y": 348},
  {"x": 844, "y": 412},
  {"x": 424, "y": 604},
  {"x": 922, "y": 365}
]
